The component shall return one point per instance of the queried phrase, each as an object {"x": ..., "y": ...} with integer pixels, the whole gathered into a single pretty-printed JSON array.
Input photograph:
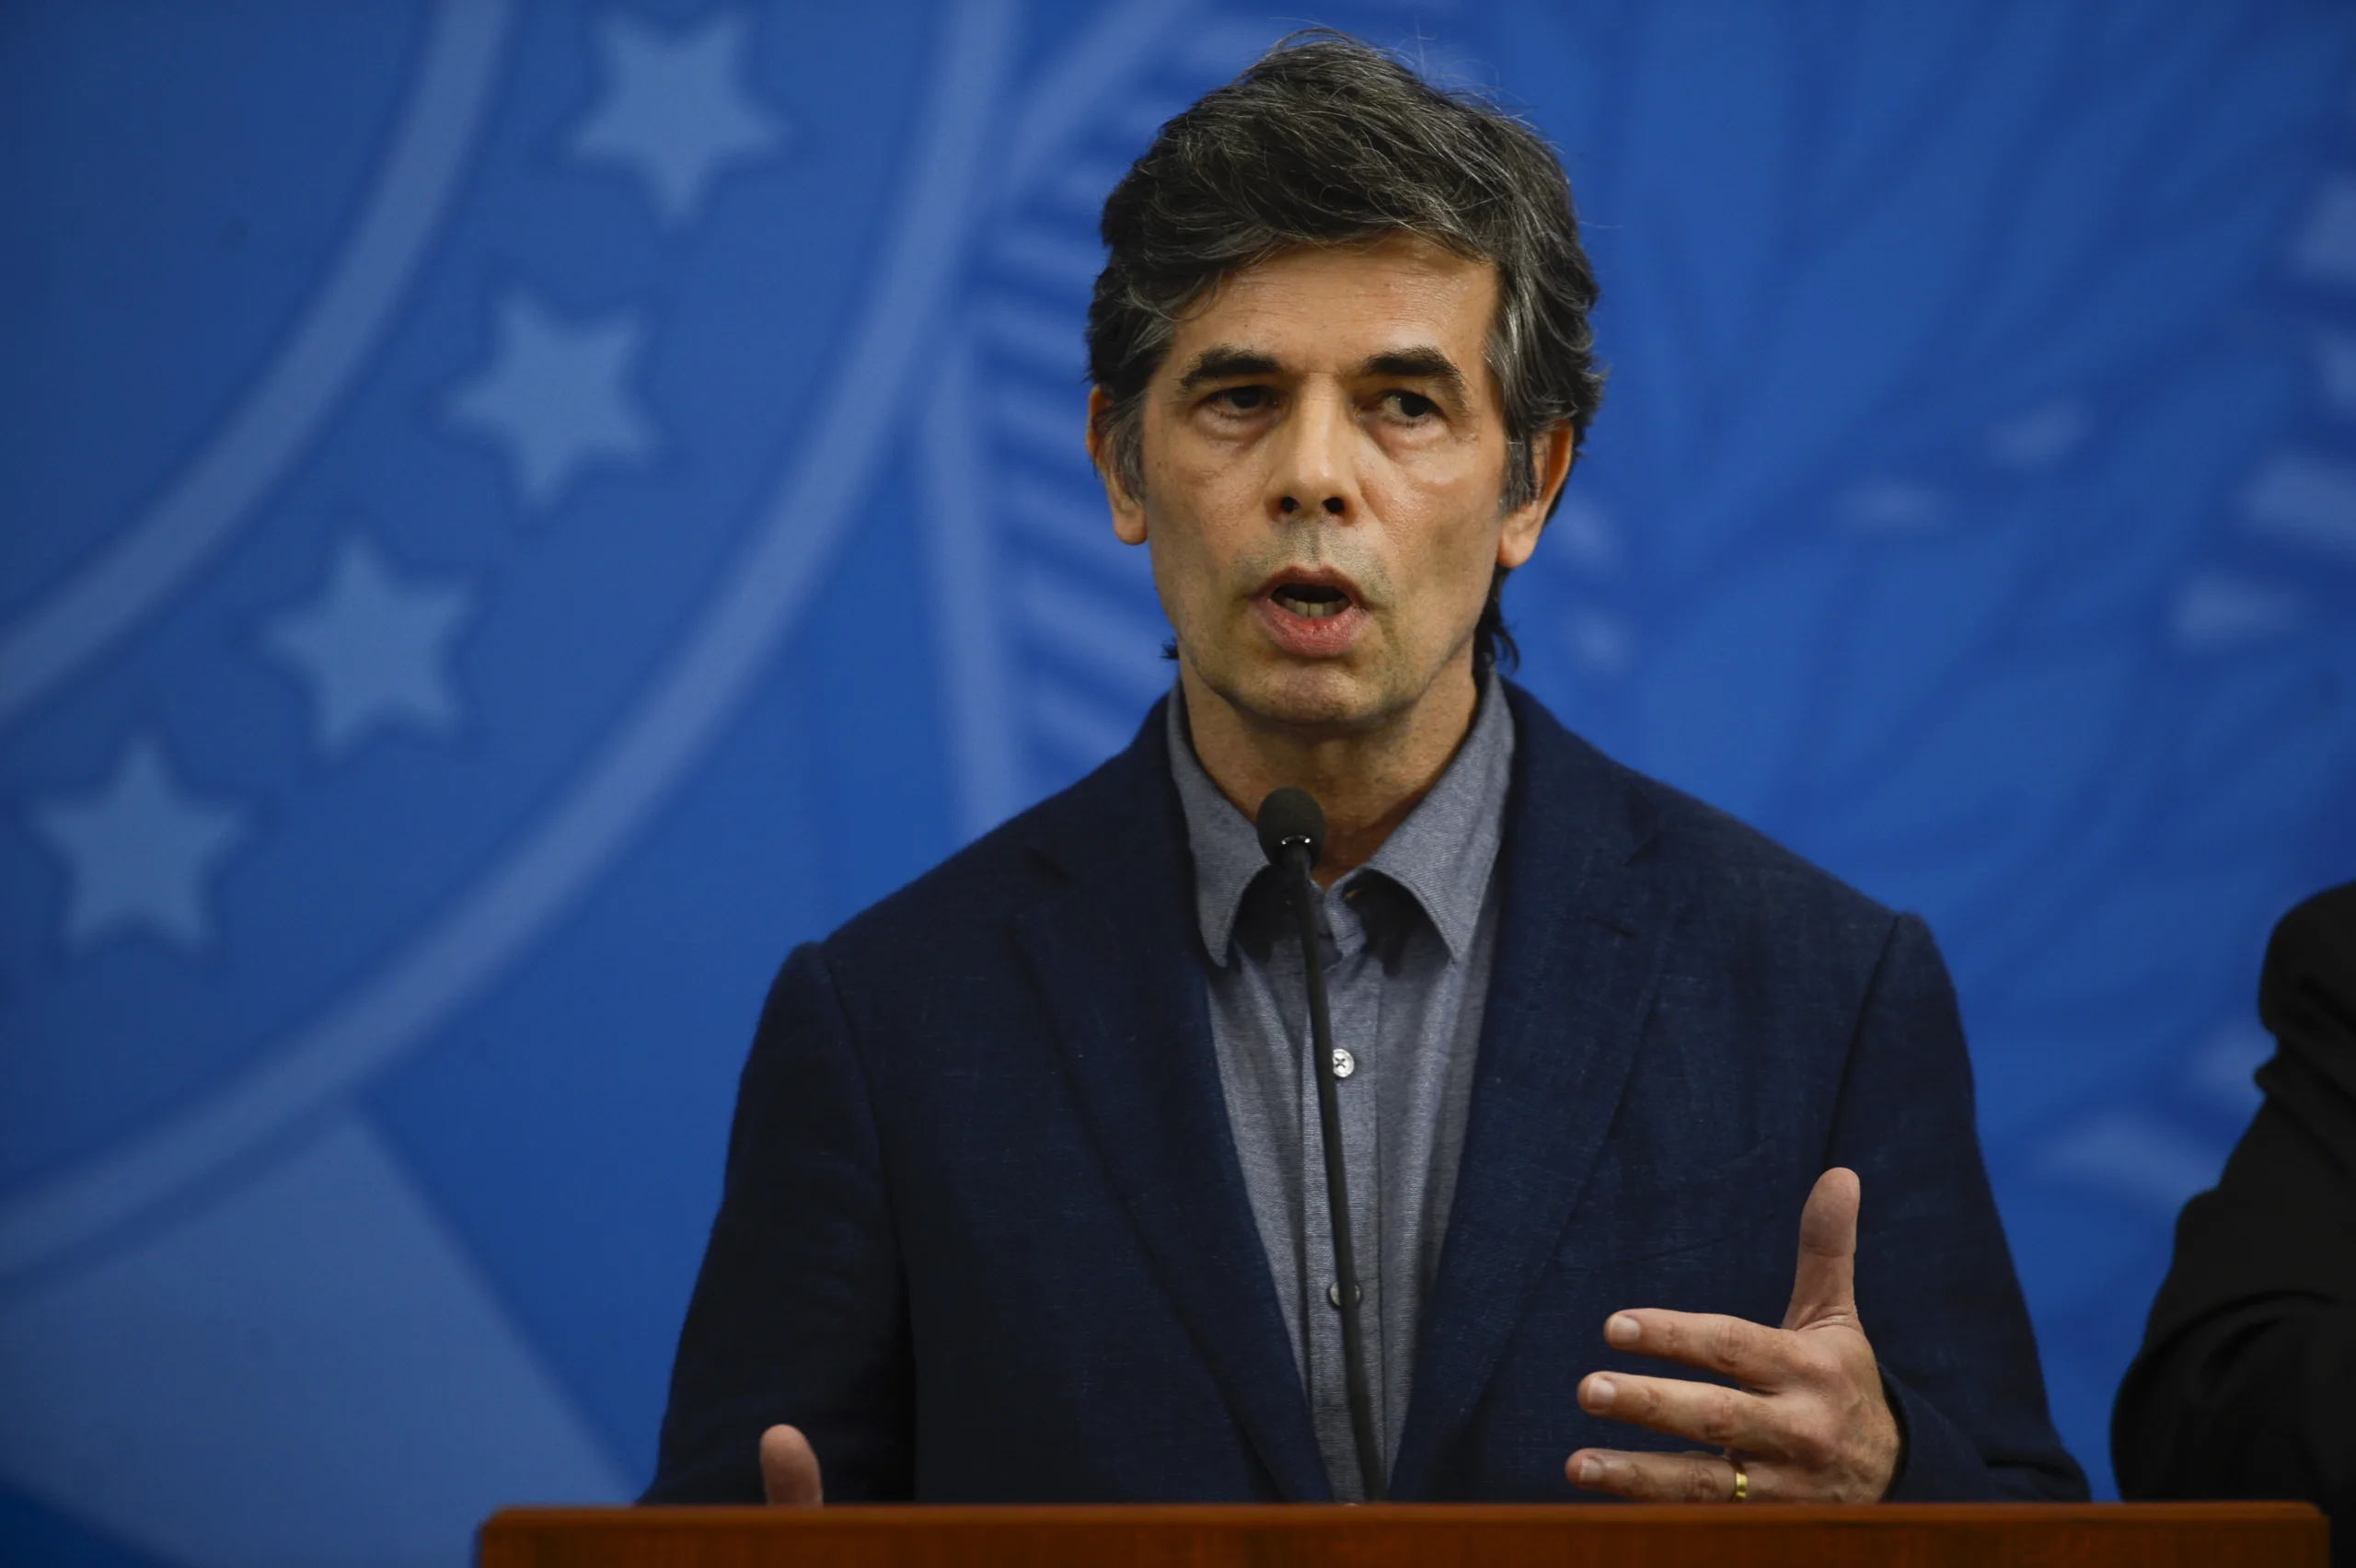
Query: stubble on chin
[{"x": 1333, "y": 699}]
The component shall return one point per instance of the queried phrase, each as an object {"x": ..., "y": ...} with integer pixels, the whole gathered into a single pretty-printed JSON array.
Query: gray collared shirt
[{"x": 1408, "y": 939}]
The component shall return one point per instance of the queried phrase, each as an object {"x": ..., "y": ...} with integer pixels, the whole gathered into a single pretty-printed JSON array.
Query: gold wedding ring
[{"x": 1741, "y": 1481}]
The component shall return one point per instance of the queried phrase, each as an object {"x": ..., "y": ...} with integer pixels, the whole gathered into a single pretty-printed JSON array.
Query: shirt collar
[{"x": 1441, "y": 854}]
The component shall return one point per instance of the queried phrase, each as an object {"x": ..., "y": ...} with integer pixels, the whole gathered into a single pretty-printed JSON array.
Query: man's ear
[
  {"x": 1551, "y": 456},
  {"x": 1128, "y": 511}
]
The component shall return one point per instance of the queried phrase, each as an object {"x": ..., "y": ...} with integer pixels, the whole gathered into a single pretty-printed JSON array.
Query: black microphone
[{"x": 1292, "y": 834}]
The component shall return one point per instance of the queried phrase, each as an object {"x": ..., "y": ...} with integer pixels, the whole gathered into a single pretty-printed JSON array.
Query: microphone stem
[{"x": 1337, "y": 1189}]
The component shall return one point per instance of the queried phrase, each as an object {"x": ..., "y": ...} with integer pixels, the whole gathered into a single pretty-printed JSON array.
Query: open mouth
[{"x": 1312, "y": 601}]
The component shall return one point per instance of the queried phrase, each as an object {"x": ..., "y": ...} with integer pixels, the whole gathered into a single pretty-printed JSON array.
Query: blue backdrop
[{"x": 517, "y": 514}]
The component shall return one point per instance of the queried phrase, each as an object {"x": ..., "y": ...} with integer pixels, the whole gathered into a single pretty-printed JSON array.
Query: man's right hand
[{"x": 789, "y": 1469}]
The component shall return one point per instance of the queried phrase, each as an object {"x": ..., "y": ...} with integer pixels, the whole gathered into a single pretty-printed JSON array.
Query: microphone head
[{"x": 1291, "y": 816}]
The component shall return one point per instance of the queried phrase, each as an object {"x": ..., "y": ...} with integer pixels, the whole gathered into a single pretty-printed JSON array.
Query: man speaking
[{"x": 1555, "y": 1131}]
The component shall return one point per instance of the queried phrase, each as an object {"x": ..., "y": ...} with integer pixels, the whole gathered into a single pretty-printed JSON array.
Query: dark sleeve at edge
[
  {"x": 799, "y": 1314},
  {"x": 2249, "y": 1365},
  {"x": 1935, "y": 1287}
]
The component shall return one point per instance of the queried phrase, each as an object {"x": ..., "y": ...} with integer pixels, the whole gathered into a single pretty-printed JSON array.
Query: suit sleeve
[
  {"x": 2249, "y": 1367},
  {"x": 799, "y": 1314},
  {"x": 1935, "y": 1288}
]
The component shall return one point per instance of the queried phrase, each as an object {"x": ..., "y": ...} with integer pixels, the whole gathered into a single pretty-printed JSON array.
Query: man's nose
[{"x": 1313, "y": 471}]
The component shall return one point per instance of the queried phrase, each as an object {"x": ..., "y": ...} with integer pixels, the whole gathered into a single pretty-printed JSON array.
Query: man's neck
[{"x": 1367, "y": 780}]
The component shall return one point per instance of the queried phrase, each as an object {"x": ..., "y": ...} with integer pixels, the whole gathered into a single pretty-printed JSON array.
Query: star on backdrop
[
  {"x": 2300, "y": 499},
  {"x": 676, "y": 111},
  {"x": 140, "y": 852},
  {"x": 2041, "y": 437},
  {"x": 2326, "y": 248},
  {"x": 373, "y": 648},
  {"x": 2215, "y": 610},
  {"x": 555, "y": 397},
  {"x": 2335, "y": 371}
]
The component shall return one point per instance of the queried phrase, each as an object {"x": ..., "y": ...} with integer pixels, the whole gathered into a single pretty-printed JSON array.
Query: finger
[
  {"x": 1824, "y": 1283},
  {"x": 1656, "y": 1478},
  {"x": 1751, "y": 1354},
  {"x": 1708, "y": 1413},
  {"x": 789, "y": 1469}
]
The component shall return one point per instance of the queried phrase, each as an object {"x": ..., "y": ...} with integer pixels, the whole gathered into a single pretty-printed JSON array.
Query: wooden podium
[{"x": 2166, "y": 1535}]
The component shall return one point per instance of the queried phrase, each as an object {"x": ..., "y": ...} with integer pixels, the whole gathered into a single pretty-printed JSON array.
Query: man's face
[{"x": 1323, "y": 456}]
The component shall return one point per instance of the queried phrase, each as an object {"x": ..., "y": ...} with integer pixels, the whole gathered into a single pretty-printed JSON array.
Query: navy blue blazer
[{"x": 985, "y": 1236}]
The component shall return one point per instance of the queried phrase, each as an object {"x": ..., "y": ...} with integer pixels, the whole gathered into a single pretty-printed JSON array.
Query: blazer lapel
[
  {"x": 1580, "y": 943},
  {"x": 1116, "y": 962}
]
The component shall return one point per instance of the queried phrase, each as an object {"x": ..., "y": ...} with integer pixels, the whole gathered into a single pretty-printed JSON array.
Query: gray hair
[{"x": 1328, "y": 140}]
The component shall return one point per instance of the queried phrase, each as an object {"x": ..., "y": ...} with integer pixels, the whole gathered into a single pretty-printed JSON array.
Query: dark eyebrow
[
  {"x": 1418, "y": 364},
  {"x": 1223, "y": 362}
]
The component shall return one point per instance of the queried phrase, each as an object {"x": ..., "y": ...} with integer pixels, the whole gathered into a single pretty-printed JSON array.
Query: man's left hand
[{"x": 1809, "y": 1423}]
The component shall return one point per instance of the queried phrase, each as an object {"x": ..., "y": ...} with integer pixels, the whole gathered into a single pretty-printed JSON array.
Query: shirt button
[
  {"x": 1334, "y": 1294},
  {"x": 1343, "y": 1063}
]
